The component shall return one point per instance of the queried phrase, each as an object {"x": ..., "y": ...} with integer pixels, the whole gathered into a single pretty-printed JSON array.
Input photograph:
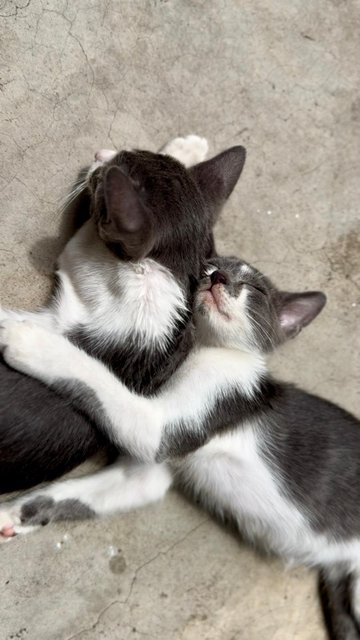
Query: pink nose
[{"x": 104, "y": 155}]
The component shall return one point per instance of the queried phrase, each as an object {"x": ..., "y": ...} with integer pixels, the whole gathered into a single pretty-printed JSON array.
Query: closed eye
[{"x": 255, "y": 286}]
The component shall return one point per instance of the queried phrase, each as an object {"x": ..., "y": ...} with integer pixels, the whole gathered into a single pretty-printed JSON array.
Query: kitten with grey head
[{"x": 282, "y": 463}]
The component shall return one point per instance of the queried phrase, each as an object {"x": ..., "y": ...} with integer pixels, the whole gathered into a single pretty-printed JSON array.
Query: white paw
[
  {"x": 189, "y": 150},
  {"x": 31, "y": 349},
  {"x": 104, "y": 155}
]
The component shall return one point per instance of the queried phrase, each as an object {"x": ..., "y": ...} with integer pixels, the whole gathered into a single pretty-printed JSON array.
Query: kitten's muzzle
[
  {"x": 211, "y": 290},
  {"x": 216, "y": 277}
]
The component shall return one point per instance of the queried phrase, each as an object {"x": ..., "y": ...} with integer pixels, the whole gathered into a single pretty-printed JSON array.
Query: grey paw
[
  {"x": 43, "y": 509},
  {"x": 38, "y": 511}
]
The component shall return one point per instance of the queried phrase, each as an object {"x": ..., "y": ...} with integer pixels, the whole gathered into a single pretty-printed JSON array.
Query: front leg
[
  {"x": 214, "y": 389},
  {"x": 34, "y": 350},
  {"x": 128, "y": 420}
]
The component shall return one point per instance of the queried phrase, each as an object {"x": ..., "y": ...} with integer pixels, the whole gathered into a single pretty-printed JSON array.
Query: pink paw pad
[
  {"x": 7, "y": 525},
  {"x": 8, "y": 531}
]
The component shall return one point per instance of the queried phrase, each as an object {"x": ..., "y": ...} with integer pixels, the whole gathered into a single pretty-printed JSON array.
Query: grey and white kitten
[{"x": 282, "y": 463}]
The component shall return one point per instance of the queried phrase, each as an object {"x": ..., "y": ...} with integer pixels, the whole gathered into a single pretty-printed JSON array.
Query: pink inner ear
[
  {"x": 299, "y": 309},
  {"x": 287, "y": 319},
  {"x": 294, "y": 314}
]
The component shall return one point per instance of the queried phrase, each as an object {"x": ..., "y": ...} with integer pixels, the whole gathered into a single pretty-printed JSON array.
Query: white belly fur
[{"x": 230, "y": 478}]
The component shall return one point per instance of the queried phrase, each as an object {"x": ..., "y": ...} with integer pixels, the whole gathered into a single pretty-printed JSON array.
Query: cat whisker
[
  {"x": 73, "y": 194},
  {"x": 261, "y": 328}
]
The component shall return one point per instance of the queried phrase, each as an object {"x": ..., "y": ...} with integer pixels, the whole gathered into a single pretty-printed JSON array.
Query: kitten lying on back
[{"x": 282, "y": 463}]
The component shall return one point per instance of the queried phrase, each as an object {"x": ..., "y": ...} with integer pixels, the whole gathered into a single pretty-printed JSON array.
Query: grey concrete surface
[{"x": 280, "y": 77}]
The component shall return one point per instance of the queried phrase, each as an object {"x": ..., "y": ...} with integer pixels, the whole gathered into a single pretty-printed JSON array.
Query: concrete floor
[{"x": 281, "y": 78}]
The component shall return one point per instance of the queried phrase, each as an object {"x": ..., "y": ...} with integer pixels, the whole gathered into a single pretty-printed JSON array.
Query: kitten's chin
[
  {"x": 211, "y": 326},
  {"x": 214, "y": 330},
  {"x": 210, "y": 303}
]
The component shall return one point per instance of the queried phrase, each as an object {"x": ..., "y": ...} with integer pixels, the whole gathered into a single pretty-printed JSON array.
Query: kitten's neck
[
  {"x": 136, "y": 317},
  {"x": 139, "y": 301},
  {"x": 207, "y": 340}
]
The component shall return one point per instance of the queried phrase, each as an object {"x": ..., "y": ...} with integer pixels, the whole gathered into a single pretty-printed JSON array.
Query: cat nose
[
  {"x": 219, "y": 277},
  {"x": 104, "y": 155}
]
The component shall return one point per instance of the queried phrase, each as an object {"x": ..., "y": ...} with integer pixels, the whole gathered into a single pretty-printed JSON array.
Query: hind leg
[
  {"x": 119, "y": 488},
  {"x": 189, "y": 150}
]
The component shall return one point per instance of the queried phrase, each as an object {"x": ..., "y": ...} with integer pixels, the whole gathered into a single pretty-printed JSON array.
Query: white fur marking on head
[{"x": 246, "y": 269}]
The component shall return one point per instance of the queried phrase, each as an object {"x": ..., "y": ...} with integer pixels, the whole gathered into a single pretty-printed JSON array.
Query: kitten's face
[
  {"x": 235, "y": 307},
  {"x": 239, "y": 307}
]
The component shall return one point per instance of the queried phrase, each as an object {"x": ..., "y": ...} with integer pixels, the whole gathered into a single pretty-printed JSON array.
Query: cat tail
[{"x": 336, "y": 592}]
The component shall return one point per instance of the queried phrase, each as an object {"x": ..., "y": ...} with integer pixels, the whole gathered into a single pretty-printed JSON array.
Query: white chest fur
[{"x": 114, "y": 298}]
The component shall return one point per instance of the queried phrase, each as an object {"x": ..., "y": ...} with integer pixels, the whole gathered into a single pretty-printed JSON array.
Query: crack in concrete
[
  {"x": 160, "y": 553},
  {"x": 97, "y": 621},
  {"x": 135, "y": 576},
  {"x": 17, "y": 8}
]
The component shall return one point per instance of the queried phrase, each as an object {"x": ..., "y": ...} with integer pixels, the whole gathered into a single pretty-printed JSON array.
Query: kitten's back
[{"x": 30, "y": 453}]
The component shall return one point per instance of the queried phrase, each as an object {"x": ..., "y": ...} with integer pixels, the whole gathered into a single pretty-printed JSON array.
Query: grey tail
[{"x": 335, "y": 599}]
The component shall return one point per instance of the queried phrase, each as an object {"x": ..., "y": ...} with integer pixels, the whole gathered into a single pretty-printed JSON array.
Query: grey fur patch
[
  {"x": 229, "y": 411},
  {"x": 42, "y": 510},
  {"x": 37, "y": 511},
  {"x": 72, "y": 510},
  {"x": 315, "y": 447},
  {"x": 86, "y": 402}
]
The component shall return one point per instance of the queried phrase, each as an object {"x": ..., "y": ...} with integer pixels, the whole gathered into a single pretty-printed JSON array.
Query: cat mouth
[{"x": 212, "y": 297}]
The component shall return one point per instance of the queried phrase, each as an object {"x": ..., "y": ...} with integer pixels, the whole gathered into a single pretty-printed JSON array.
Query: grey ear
[
  {"x": 218, "y": 176},
  {"x": 127, "y": 223},
  {"x": 297, "y": 310}
]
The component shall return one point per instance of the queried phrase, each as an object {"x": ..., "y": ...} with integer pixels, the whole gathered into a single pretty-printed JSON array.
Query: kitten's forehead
[{"x": 245, "y": 269}]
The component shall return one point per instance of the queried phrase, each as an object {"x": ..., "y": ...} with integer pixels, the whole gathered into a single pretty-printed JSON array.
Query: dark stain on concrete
[
  {"x": 344, "y": 255},
  {"x": 117, "y": 564}
]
